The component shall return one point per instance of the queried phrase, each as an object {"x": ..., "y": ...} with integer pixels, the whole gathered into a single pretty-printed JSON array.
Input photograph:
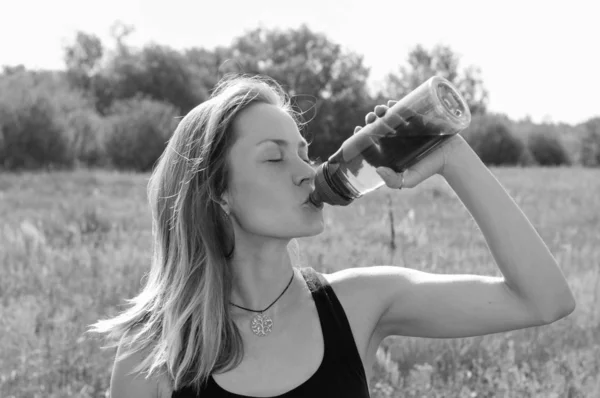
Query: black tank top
[{"x": 341, "y": 373}]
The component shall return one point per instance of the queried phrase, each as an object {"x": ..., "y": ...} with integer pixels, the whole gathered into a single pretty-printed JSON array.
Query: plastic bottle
[{"x": 408, "y": 131}]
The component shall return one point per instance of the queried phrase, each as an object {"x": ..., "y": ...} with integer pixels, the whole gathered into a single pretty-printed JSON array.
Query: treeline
[{"x": 116, "y": 106}]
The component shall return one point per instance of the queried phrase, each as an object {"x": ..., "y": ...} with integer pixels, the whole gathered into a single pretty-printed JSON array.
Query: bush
[
  {"x": 491, "y": 138},
  {"x": 548, "y": 149},
  {"x": 42, "y": 121},
  {"x": 138, "y": 130},
  {"x": 88, "y": 136},
  {"x": 31, "y": 133},
  {"x": 590, "y": 143}
]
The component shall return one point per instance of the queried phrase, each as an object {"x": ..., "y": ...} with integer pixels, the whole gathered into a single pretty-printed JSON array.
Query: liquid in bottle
[{"x": 409, "y": 130}]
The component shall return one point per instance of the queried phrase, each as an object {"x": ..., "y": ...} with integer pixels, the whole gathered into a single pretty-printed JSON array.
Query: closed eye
[{"x": 310, "y": 162}]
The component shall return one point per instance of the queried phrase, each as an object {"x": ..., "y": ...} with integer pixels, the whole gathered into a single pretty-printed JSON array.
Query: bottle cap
[{"x": 324, "y": 193}]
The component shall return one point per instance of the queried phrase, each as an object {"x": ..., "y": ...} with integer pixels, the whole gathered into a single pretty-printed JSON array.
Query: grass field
[{"x": 74, "y": 245}]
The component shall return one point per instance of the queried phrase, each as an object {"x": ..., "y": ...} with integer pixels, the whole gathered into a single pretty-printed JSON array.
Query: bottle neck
[{"x": 328, "y": 189}]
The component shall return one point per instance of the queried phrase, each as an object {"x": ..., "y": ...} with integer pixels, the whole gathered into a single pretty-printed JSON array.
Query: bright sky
[{"x": 538, "y": 58}]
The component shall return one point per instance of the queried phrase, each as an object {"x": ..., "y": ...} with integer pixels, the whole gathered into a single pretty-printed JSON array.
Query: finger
[
  {"x": 396, "y": 119},
  {"x": 357, "y": 129},
  {"x": 391, "y": 103},
  {"x": 391, "y": 178},
  {"x": 380, "y": 110},
  {"x": 370, "y": 117}
]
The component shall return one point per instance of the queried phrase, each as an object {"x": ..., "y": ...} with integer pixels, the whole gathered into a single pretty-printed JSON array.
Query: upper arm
[
  {"x": 125, "y": 382},
  {"x": 415, "y": 303}
]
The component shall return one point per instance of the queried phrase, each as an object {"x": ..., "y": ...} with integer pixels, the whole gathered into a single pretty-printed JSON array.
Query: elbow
[
  {"x": 561, "y": 309},
  {"x": 569, "y": 305}
]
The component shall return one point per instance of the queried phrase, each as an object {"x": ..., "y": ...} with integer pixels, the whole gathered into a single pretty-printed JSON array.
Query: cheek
[
  {"x": 253, "y": 192},
  {"x": 260, "y": 197},
  {"x": 262, "y": 207}
]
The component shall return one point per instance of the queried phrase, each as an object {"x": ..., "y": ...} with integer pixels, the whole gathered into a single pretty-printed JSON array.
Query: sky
[{"x": 538, "y": 59}]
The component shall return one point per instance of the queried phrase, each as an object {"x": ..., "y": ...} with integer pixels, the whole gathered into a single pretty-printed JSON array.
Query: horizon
[{"x": 518, "y": 53}]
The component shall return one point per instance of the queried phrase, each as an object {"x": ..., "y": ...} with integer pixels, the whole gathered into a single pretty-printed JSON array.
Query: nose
[{"x": 306, "y": 173}]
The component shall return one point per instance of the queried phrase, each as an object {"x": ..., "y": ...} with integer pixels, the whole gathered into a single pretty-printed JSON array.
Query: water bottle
[{"x": 409, "y": 130}]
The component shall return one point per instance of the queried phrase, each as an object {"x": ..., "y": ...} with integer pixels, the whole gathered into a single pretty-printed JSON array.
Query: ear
[{"x": 225, "y": 202}]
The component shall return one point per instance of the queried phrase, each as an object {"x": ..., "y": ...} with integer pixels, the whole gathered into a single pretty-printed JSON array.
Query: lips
[{"x": 308, "y": 201}]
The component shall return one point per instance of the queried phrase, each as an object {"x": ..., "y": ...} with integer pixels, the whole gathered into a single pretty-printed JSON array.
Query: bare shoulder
[
  {"x": 126, "y": 382},
  {"x": 358, "y": 290}
]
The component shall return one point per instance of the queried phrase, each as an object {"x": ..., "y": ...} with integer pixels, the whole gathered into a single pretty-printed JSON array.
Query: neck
[{"x": 260, "y": 275}]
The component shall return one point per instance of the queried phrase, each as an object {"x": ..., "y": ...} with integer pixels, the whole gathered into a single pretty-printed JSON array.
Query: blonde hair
[{"x": 181, "y": 316}]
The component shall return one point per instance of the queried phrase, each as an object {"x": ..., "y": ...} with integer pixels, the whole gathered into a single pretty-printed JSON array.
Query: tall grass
[{"x": 73, "y": 246}]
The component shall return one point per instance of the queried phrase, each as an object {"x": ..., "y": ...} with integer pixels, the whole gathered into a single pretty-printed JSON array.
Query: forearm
[{"x": 528, "y": 267}]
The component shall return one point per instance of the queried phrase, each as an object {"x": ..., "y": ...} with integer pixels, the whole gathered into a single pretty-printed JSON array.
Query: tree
[
  {"x": 209, "y": 66},
  {"x": 299, "y": 59},
  {"x": 155, "y": 71},
  {"x": 590, "y": 143},
  {"x": 119, "y": 31},
  {"x": 491, "y": 137},
  {"x": 8, "y": 70},
  {"x": 138, "y": 131},
  {"x": 158, "y": 72},
  {"x": 82, "y": 59},
  {"x": 547, "y": 148},
  {"x": 325, "y": 82},
  {"x": 442, "y": 61},
  {"x": 33, "y": 105}
]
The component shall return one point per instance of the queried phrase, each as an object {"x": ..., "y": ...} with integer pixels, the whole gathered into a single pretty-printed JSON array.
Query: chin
[
  {"x": 308, "y": 235},
  {"x": 305, "y": 232},
  {"x": 314, "y": 231}
]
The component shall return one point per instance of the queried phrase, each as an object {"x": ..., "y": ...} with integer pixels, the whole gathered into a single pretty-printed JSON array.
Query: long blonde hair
[{"x": 181, "y": 316}]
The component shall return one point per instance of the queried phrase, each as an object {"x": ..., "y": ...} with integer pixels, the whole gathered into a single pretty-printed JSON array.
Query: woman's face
[{"x": 269, "y": 179}]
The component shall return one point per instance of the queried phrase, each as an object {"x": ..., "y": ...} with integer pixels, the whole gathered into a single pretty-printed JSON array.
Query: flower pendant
[{"x": 261, "y": 325}]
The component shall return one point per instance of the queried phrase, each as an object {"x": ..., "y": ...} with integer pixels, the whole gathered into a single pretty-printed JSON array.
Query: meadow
[{"x": 75, "y": 245}]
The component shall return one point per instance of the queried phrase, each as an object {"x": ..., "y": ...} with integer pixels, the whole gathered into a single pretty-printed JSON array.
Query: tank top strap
[{"x": 337, "y": 332}]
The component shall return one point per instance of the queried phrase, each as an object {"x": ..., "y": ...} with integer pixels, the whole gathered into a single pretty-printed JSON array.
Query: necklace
[{"x": 261, "y": 324}]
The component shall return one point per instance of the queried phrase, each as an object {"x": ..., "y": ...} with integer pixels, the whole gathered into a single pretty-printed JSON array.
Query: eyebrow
[{"x": 280, "y": 142}]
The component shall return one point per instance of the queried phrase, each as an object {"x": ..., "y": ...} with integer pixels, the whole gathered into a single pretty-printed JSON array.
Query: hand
[{"x": 434, "y": 163}]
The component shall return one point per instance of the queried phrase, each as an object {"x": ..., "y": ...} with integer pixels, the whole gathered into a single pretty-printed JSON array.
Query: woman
[{"x": 225, "y": 314}]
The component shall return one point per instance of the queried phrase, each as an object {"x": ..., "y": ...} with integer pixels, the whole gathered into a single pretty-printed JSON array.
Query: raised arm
[{"x": 532, "y": 290}]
